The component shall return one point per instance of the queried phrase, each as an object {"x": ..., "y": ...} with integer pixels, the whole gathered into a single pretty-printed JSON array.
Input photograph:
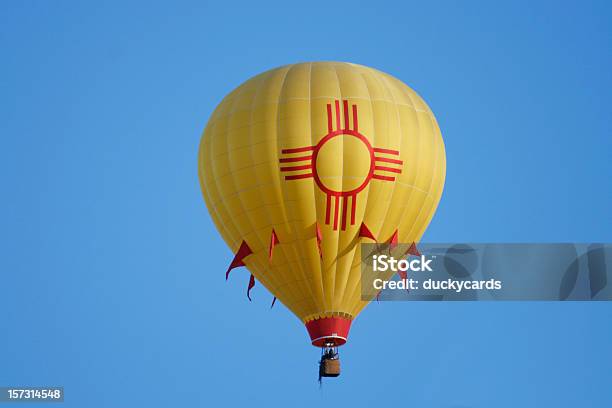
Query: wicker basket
[{"x": 330, "y": 368}]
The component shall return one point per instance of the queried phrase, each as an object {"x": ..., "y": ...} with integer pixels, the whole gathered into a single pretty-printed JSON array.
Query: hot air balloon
[{"x": 301, "y": 164}]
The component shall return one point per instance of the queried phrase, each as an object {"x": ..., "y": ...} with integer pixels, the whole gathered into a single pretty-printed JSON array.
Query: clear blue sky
[{"x": 113, "y": 274}]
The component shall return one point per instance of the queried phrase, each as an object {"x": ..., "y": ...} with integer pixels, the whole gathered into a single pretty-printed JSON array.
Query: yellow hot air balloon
[{"x": 302, "y": 163}]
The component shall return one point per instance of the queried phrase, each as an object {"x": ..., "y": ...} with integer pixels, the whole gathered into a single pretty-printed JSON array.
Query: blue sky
[{"x": 113, "y": 274}]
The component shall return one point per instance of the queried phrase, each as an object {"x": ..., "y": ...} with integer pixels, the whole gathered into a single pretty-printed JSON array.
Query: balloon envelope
[{"x": 313, "y": 153}]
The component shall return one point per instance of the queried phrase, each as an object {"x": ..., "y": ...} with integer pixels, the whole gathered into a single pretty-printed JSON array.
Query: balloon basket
[{"x": 329, "y": 366}]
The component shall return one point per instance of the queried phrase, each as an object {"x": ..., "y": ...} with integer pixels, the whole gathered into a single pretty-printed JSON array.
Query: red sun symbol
[{"x": 379, "y": 162}]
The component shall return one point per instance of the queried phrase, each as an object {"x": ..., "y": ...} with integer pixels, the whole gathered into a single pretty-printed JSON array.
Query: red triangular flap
[
  {"x": 242, "y": 253},
  {"x": 364, "y": 232},
  {"x": 273, "y": 241},
  {"x": 393, "y": 240},
  {"x": 319, "y": 238},
  {"x": 251, "y": 284},
  {"x": 412, "y": 250}
]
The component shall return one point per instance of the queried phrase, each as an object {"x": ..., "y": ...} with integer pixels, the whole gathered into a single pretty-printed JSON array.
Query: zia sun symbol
[{"x": 305, "y": 166}]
